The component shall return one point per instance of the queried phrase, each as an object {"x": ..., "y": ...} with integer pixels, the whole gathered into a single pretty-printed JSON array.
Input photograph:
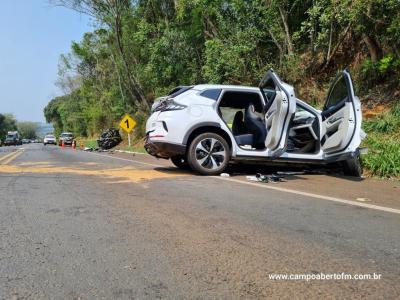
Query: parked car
[
  {"x": 12, "y": 139},
  {"x": 67, "y": 138},
  {"x": 109, "y": 139},
  {"x": 207, "y": 126},
  {"x": 25, "y": 141},
  {"x": 49, "y": 139}
]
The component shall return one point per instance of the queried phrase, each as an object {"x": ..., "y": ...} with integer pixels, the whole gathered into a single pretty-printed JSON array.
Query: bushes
[{"x": 372, "y": 73}]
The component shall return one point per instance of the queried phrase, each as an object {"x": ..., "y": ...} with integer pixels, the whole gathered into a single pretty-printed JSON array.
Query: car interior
[
  {"x": 303, "y": 132},
  {"x": 243, "y": 112}
]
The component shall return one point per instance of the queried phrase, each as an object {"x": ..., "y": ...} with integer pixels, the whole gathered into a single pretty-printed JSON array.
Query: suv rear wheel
[{"x": 208, "y": 154}]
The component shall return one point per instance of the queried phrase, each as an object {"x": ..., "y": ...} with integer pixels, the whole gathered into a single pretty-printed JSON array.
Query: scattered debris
[
  {"x": 363, "y": 199},
  {"x": 88, "y": 149},
  {"x": 225, "y": 175},
  {"x": 273, "y": 178}
]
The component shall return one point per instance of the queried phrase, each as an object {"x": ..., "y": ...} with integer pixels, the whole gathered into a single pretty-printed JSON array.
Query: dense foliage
[
  {"x": 140, "y": 49},
  {"x": 7, "y": 123},
  {"x": 28, "y": 130}
]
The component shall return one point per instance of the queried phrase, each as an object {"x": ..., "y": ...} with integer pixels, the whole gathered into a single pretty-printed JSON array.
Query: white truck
[{"x": 12, "y": 139}]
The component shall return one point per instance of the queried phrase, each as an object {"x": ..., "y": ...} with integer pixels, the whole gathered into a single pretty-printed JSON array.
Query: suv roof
[{"x": 202, "y": 87}]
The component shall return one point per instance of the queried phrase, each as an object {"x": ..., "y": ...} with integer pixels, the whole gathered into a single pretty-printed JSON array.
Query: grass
[
  {"x": 386, "y": 123},
  {"x": 90, "y": 143},
  {"x": 383, "y": 158},
  {"x": 383, "y": 142}
]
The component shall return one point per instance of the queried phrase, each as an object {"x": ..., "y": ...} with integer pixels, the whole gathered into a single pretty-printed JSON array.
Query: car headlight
[{"x": 168, "y": 105}]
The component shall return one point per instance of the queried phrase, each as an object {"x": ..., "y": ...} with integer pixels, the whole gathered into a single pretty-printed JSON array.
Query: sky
[{"x": 33, "y": 34}]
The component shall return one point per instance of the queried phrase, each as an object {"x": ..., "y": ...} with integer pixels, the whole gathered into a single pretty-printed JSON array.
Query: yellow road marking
[
  {"x": 11, "y": 157},
  {"x": 7, "y": 155},
  {"x": 115, "y": 175}
]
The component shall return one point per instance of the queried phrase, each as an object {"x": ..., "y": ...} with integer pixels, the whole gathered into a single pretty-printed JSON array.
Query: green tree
[
  {"x": 28, "y": 129},
  {"x": 7, "y": 123}
]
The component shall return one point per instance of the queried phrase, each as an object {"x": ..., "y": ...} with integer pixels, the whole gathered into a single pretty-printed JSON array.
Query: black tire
[
  {"x": 210, "y": 161},
  {"x": 353, "y": 166},
  {"x": 180, "y": 162}
]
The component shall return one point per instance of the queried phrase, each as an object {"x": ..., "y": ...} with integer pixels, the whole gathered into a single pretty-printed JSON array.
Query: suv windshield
[
  {"x": 49, "y": 136},
  {"x": 66, "y": 135}
]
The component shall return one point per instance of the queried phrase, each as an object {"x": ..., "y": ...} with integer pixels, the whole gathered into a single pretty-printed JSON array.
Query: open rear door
[
  {"x": 280, "y": 107},
  {"x": 341, "y": 117}
]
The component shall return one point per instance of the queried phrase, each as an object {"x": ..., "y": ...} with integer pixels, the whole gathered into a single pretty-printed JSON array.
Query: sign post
[{"x": 128, "y": 124}]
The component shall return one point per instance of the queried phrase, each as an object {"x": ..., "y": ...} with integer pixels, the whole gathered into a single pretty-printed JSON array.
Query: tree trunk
[
  {"x": 279, "y": 46},
  {"x": 119, "y": 80},
  {"x": 374, "y": 49},
  {"x": 136, "y": 88},
  {"x": 286, "y": 27},
  {"x": 335, "y": 49},
  {"x": 328, "y": 54}
]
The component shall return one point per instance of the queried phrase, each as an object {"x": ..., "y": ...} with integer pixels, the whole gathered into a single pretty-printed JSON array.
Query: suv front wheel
[
  {"x": 180, "y": 162},
  {"x": 208, "y": 154},
  {"x": 353, "y": 166}
]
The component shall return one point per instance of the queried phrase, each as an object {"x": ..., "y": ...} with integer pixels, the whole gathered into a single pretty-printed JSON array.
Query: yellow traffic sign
[{"x": 127, "y": 123}]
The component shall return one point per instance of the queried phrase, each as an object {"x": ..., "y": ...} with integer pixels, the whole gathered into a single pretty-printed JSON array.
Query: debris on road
[
  {"x": 88, "y": 149},
  {"x": 273, "y": 178},
  {"x": 225, "y": 175},
  {"x": 363, "y": 199}
]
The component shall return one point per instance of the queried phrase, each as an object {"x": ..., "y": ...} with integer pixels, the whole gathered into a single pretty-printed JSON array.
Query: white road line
[
  {"x": 280, "y": 189},
  {"x": 334, "y": 199}
]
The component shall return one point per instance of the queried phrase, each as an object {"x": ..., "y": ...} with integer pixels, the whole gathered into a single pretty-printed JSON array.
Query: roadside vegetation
[
  {"x": 137, "y": 146},
  {"x": 383, "y": 158},
  {"x": 27, "y": 130},
  {"x": 7, "y": 123},
  {"x": 139, "y": 50}
]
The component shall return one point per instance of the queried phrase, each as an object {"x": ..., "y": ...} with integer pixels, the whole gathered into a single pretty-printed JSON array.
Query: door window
[{"x": 337, "y": 93}]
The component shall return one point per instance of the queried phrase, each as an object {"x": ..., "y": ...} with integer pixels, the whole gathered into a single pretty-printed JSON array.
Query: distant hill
[{"x": 44, "y": 129}]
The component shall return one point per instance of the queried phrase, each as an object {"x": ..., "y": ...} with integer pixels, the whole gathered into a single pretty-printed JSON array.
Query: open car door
[
  {"x": 341, "y": 117},
  {"x": 280, "y": 107}
]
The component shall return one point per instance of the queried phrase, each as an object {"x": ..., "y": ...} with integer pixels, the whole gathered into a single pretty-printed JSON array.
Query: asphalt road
[{"x": 77, "y": 225}]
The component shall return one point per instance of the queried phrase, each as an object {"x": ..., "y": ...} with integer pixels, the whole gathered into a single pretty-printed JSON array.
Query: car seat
[
  {"x": 238, "y": 126},
  {"x": 255, "y": 125}
]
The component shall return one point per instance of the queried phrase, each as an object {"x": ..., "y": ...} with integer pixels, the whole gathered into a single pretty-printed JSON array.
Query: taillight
[{"x": 168, "y": 105}]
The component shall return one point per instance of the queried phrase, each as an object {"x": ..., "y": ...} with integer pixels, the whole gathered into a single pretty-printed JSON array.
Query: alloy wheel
[{"x": 210, "y": 153}]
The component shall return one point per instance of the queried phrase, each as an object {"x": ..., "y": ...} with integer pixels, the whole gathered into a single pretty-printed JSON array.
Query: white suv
[{"x": 204, "y": 127}]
